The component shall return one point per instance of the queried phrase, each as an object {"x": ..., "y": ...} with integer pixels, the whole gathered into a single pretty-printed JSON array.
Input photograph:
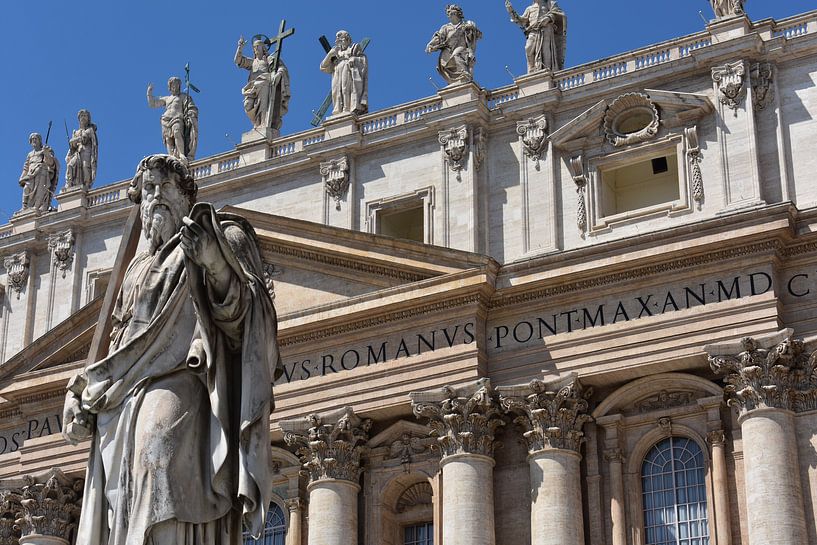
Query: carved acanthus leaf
[
  {"x": 464, "y": 420},
  {"x": 552, "y": 414},
  {"x": 331, "y": 450},
  {"x": 50, "y": 506}
]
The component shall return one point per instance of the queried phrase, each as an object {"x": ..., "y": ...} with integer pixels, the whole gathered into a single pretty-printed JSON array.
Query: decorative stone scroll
[
  {"x": 464, "y": 419},
  {"x": 762, "y": 77},
  {"x": 455, "y": 148},
  {"x": 61, "y": 246},
  {"x": 17, "y": 267},
  {"x": 576, "y": 165},
  {"x": 774, "y": 372},
  {"x": 335, "y": 175},
  {"x": 730, "y": 80},
  {"x": 552, "y": 414},
  {"x": 533, "y": 133},
  {"x": 694, "y": 157},
  {"x": 631, "y": 118},
  {"x": 330, "y": 446}
]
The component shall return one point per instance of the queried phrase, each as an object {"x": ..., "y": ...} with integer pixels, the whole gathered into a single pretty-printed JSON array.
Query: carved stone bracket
[
  {"x": 335, "y": 175},
  {"x": 762, "y": 77},
  {"x": 730, "y": 80},
  {"x": 774, "y": 372},
  {"x": 694, "y": 157},
  {"x": 330, "y": 446},
  {"x": 553, "y": 414},
  {"x": 464, "y": 420},
  {"x": 61, "y": 246},
  {"x": 576, "y": 166},
  {"x": 17, "y": 268},
  {"x": 455, "y": 148},
  {"x": 533, "y": 133}
]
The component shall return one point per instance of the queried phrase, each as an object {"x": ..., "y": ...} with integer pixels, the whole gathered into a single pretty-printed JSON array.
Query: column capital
[
  {"x": 463, "y": 419},
  {"x": 330, "y": 445},
  {"x": 49, "y": 505},
  {"x": 10, "y": 510},
  {"x": 294, "y": 505},
  {"x": 552, "y": 413},
  {"x": 774, "y": 371},
  {"x": 716, "y": 438},
  {"x": 614, "y": 455}
]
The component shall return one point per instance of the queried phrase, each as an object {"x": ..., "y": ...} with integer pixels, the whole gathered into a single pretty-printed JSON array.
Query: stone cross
[{"x": 283, "y": 33}]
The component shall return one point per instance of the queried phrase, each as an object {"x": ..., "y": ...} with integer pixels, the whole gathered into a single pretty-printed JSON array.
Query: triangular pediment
[{"x": 587, "y": 129}]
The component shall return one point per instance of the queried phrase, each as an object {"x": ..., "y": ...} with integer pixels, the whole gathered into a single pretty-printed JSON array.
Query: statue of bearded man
[{"x": 178, "y": 412}]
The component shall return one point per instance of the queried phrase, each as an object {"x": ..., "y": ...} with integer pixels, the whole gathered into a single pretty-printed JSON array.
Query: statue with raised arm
[
  {"x": 178, "y": 412},
  {"x": 457, "y": 44},
  {"x": 727, "y": 8},
  {"x": 545, "y": 27},
  {"x": 41, "y": 172},
  {"x": 350, "y": 75},
  {"x": 83, "y": 153},
  {"x": 267, "y": 93},
  {"x": 180, "y": 120}
]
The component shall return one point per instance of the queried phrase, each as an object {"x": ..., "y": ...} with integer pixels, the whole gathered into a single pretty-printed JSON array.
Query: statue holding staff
[
  {"x": 180, "y": 121},
  {"x": 267, "y": 92},
  {"x": 545, "y": 27},
  {"x": 41, "y": 171},
  {"x": 83, "y": 153},
  {"x": 457, "y": 44}
]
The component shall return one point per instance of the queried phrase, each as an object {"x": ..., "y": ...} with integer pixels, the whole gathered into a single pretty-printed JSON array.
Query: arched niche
[{"x": 675, "y": 385}]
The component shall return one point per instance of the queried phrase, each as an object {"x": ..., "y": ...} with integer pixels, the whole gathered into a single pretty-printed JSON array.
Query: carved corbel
[
  {"x": 533, "y": 134},
  {"x": 762, "y": 75},
  {"x": 61, "y": 246},
  {"x": 335, "y": 174},
  {"x": 576, "y": 166},
  {"x": 17, "y": 269},
  {"x": 455, "y": 147},
  {"x": 730, "y": 80},
  {"x": 694, "y": 157}
]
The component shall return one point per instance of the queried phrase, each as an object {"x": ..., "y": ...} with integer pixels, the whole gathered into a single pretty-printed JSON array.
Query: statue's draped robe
[
  {"x": 350, "y": 76},
  {"x": 181, "y": 450},
  {"x": 265, "y": 103},
  {"x": 457, "y": 45},
  {"x": 544, "y": 28},
  {"x": 81, "y": 161},
  {"x": 187, "y": 122},
  {"x": 43, "y": 170}
]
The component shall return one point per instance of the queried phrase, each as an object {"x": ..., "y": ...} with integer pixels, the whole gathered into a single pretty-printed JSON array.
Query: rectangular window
[
  {"x": 405, "y": 223},
  {"x": 419, "y": 534},
  {"x": 644, "y": 184},
  {"x": 407, "y": 216}
]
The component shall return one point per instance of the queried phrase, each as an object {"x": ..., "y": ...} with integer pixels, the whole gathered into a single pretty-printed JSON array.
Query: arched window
[
  {"x": 673, "y": 484},
  {"x": 275, "y": 530}
]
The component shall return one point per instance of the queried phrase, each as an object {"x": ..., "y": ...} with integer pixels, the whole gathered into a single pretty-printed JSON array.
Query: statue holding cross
[{"x": 267, "y": 92}]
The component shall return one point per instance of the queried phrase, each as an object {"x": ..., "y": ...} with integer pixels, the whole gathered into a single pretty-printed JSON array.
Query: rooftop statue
[
  {"x": 180, "y": 121},
  {"x": 457, "y": 44},
  {"x": 41, "y": 172},
  {"x": 350, "y": 75},
  {"x": 727, "y": 8},
  {"x": 545, "y": 27},
  {"x": 83, "y": 153},
  {"x": 178, "y": 411},
  {"x": 267, "y": 93}
]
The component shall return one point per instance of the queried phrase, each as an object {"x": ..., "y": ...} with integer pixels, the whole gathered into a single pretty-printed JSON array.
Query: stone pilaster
[
  {"x": 720, "y": 484},
  {"x": 330, "y": 447},
  {"x": 464, "y": 421},
  {"x": 768, "y": 379},
  {"x": 295, "y": 527},
  {"x": 553, "y": 415}
]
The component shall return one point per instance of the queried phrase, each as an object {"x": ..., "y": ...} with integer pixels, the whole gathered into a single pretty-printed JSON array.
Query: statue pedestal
[
  {"x": 535, "y": 83},
  {"x": 340, "y": 125},
  {"x": 729, "y": 28},
  {"x": 36, "y": 539},
  {"x": 71, "y": 198},
  {"x": 255, "y": 145},
  {"x": 255, "y": 135},
  {"x": 24, "y": 221},
  {"x": 460, "y": 93}
]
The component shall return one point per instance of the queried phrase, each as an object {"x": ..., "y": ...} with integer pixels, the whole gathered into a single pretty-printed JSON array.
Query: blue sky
[{"x": 63, "y": 55}]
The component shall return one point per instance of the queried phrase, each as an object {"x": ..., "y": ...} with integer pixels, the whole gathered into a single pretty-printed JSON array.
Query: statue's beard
[{"x": 159, "y": 223}]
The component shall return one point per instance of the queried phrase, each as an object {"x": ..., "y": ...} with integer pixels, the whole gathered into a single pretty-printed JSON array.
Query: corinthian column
[
  {"x": 768, "y": 379},
  {"x": 330, "y": 447},
  {"x": 552, "y": 415},
  {"x": 464, "y": 421}
]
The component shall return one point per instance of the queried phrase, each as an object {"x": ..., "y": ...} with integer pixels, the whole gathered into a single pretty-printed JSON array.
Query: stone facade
[{"x": 496, "y": 307}]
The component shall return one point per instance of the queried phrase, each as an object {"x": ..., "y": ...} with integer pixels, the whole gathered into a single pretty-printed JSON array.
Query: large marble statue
[
  {"x": 457, "y": 44},
  {"x": 545, "y": 27},
  {"x": 178, "y": 412},
  {"x": 180, "y": 121},
  {"x": 41, "y": 172},
  {"x": 267, "y": 94},
  {"x": 350, "y": 75},
  {"x": 727, "y": 8},
  {"x": 83, "y": 153}
]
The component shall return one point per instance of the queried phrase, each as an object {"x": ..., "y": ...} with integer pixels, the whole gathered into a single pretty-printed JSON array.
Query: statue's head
[
  {"x": 174, "y": 85},
  {"x": 165, "y": 190},
  {"x": 84, "y": 118},
  {"x": 343, "y": 39},
  {"x": 454, "y": 13},
  {"x": 35, "y": 140},
  {"x": 259, "y": 49}
]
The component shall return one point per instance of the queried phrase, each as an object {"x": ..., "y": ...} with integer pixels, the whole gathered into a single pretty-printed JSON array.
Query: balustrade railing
[{"x": 104, "y": 196}]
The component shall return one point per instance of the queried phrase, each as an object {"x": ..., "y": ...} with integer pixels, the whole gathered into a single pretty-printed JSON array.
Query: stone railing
[
  {"x": 498, "y": 97},
  {"x": 108, "y": 194},
  {"x": 794, "y": 27},
  {"x": 399, "y": 115}
]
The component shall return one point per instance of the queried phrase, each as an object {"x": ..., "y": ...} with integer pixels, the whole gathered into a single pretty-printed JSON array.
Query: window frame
[{"x": 376, "y": 209}]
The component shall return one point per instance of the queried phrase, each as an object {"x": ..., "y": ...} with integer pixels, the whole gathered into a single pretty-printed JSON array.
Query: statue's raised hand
[
  {"x": 150, "y": 89},
  {"x": 241, "y": 42},
  {"x": 200, "y": 246}
]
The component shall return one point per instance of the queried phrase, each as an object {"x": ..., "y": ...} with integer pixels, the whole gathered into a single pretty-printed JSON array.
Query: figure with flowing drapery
[
  {"x": 267, "y": 92},
  {"x": 83, "y": 153},
  {"x": 41, "y": 171},
  {"x": 457, "y": 43},
  {"x": 545, "y": 27},
  {"x": 350, "y": 75}
]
